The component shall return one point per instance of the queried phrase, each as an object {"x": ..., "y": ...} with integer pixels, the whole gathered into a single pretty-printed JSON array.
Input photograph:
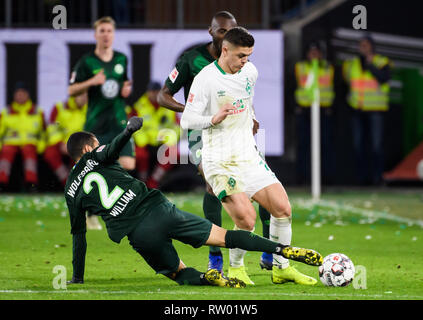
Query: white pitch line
[{"x": 227, "y": 293}]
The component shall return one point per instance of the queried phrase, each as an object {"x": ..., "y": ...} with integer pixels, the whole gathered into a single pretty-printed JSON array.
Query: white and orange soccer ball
[{"x": 337, "y": 270}]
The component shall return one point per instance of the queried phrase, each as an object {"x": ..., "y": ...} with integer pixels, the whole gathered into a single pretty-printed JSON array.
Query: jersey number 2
[{"x": 107, "y": 199}]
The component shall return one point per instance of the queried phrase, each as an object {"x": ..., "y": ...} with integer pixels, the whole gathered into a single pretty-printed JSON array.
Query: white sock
[
  {"x": 236, "y": 255},
  {"x": 281, "y": 232}
]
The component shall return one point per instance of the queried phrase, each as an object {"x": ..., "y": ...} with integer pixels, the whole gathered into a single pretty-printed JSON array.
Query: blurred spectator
[
  {"x": 65, "y": 119},
  {"x": 160, "y": 134},
  {"x": 121, "y": 11},
  {"x": 22, "y": 128},
  {"x": 368, "y": 75},
  {"x": 304, "y": 100}
]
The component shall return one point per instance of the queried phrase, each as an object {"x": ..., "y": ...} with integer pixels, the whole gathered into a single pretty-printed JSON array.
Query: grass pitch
[{"x": 382, "y": 233}]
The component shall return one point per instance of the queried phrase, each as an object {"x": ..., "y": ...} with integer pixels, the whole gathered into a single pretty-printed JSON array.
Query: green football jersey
[
  {"x": 106, "y": 107},
  {"x": 99, "y": 185},
  {"x": 187, "y": 67}
]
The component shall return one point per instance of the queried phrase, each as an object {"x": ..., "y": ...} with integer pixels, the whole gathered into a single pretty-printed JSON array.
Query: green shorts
[
  {"x": 152, "y": 238},
  {"x": 195, "y": 144},
  {"x": 128, "y": 149}
]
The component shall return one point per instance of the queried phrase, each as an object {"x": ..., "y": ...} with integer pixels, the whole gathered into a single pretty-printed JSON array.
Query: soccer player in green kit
[
  {"x": 103, "y": 73},
  {"x": 98, "y": 184},
  {"x": 187, "y": 67}
]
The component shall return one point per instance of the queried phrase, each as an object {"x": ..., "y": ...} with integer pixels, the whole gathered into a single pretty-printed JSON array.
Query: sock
[
  {"x": 212, "y": 208},
  {"x": 281, "y": 232},
  {"x": 265, "y": 220},
  {"x": 250, "y": 241},
  {"x": 190, "y": 276},
  {"x": 237, "y": 253}
]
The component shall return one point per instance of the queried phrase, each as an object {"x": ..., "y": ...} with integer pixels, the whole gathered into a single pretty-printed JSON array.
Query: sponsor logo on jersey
[
  {"x": 173, "y": 75},
  {"x": 190, "y": 97},
  {"x": 239, "y": 105},
  {"x": 221, "y": 93},
  {"x": 110, "y": 89},
  {"x": 118, "y": 68}
]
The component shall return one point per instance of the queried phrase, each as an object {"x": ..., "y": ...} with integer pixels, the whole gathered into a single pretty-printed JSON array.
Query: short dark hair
[
  {"x": 224, "y": 14},
  {"x": 240, "y": 37},
  {"x": 77, "y": 141}
]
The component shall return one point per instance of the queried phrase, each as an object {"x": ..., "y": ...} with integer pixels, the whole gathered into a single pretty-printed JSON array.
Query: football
[{"x": 337, "y": 270}]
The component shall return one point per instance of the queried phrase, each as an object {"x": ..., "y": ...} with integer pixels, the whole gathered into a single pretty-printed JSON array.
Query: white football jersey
[{"x": 212, "y": 88}]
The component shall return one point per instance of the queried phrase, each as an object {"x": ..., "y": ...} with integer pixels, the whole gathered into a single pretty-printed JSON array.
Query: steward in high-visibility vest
[
  {"x": 160, "y": 127},
  {"x": 368, "y": 77},
  {"x": 65, "y": 119},
  {"x": 303, "y": 96},
  {"x": 367, "y": 91},
  {"x": 22, "y": 124},
  {"x": 22, "y": 128}
]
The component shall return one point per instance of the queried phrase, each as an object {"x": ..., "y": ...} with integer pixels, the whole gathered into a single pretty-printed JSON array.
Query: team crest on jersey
[
  {"x": 110, "y": 89},
  {"x": 248, "y": 87},
  {"x": 173, "y": 75},
  {"x": 119, "y": 68}
]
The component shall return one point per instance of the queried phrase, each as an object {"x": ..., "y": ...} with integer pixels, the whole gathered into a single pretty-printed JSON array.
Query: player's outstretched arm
[{"x": 110, "y": 152}]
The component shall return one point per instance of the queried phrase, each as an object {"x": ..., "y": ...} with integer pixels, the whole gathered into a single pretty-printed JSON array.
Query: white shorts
[{"x": 232, "y": 177}]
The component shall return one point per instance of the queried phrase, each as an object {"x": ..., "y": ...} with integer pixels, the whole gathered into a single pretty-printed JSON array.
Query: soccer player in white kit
[{"x": 220, "y": 103}]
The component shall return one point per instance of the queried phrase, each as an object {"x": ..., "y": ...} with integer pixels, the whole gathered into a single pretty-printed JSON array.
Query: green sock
[
  {"x": 250, "y": 241},
  {"x": 212, "y": 208},
  {"x": 265, "y": 220},
  {"x": 190, "y": 276}
]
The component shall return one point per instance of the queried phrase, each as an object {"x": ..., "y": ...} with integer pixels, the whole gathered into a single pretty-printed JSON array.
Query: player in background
[
  {"x": 103, "y": 74},
  {"x": 182, "y": 76},
  {"x": 221, "y": 104},
  {"x": 97, "y": 183}
]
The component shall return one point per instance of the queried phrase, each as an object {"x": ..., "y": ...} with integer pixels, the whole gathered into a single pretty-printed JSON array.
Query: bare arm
[
  {"x": 80, "y": 87},
  {"x": 165, "y": 99}
]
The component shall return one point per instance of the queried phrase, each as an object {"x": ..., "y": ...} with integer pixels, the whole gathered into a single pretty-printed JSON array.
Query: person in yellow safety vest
[
  {"x": 368, "y": 77},
  {"x": 65, "y": 119},
  {"x": 304, "y": 100},
  {"x": 22, "y": 129},
  {"x": 160, "y": 134}
]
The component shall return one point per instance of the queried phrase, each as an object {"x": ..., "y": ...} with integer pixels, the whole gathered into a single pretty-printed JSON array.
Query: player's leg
[
  {"x": 266, "y": 259},
  {"x": 275, "y": 199},
  {"x": 243, "y": 214},
  {"x": 253, "y": 242},
  {"x": 212, "y": 208},
  {"x": 158, "y": 251}
]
